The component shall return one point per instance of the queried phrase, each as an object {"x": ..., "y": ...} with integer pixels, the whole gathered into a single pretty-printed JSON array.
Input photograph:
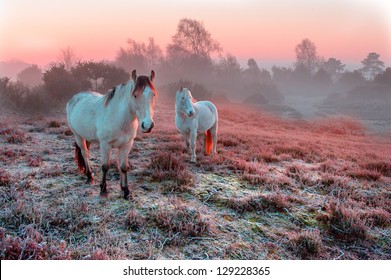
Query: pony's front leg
[
  {"x": 185, "y": 137},
  {"x": 105, "y": 151},
  {"x": 123, "y": 153},
  {"x": 193, "y": 139}
]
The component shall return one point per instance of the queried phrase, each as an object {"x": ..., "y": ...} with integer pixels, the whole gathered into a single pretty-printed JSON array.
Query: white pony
[
  {"x": 112, "y": 120},
  {"x": 194, "y": 118}
]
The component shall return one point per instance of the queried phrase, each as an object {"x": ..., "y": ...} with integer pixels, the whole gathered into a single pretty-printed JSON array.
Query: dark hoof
[
  {"x": 103, "y": 194},
  {"x": 127, "y": 195},
  {"x": 90, "y": 181}
]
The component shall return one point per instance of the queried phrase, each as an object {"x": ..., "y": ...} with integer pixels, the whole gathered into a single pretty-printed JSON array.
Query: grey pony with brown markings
[{"x": 111, "y": 120}]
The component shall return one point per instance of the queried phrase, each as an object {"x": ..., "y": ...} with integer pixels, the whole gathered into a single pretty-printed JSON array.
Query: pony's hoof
[
  {"x": 90, "y": 181},
  {"x": 128, "y": 196},
  {"x": 103, "y": 194},
  {"x": 193, "y": 160}
]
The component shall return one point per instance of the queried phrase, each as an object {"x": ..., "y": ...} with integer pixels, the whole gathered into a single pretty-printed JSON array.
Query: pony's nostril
[{"x": 142, "y": 125}]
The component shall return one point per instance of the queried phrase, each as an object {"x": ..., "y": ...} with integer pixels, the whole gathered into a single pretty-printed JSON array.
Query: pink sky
[{"x": 35, "y": 31}]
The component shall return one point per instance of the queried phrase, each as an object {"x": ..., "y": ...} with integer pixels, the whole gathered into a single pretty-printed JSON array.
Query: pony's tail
[
  {"x": 208, "y": 142},
  {"x": 81, "y": 165}
]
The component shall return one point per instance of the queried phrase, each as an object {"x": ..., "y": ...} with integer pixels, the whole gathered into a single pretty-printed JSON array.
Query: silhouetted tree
[
  {"x": 306, "y": 55},
  {"x": 60, "y": 83},
  {"x": 139, "y": 56},
  {"x": 334, "y": 67},
  {"x": 322, "y": 79},
  {"x": 228, "y": 67},
  {"x": 350, "y": 80},
  {"x": 68, "y": 58},
  {"x": 372, "y": 65},
  {"x": 133, "y": 57},
  {"x": 154, "y": 54},
  {"x": 98, "y": 76},
  {"x": 254, "y": 74},
  {"x": 384, "y": 78},
  {"x": 31, "y": 76},
  {"x": 281, "y": 74},
  {"x": 192, "y": 39}
]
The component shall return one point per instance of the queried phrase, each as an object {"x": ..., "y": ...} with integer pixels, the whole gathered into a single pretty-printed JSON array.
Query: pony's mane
[
  {"x": 109, "y": 95},
  {"x": 141, "y": 83}
]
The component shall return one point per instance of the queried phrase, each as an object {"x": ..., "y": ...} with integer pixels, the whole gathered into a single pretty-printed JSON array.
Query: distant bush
[
  {"x": 22, "y": 98},
  {"x": 198, "y": 91}
]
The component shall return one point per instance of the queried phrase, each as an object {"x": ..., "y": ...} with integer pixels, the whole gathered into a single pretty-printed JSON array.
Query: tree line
[{"x": 188, "y": 61}]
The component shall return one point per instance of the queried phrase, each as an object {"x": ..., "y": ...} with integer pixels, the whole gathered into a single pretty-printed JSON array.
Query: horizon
[{"x": 363, "y": 25}]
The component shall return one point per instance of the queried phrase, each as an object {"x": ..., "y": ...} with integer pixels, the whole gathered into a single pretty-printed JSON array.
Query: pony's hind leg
[
  {"x": 82, "y": 154},
  {"x": 105, "y": 151},
  {"x": 123, "y": 153},
  {"x": 213, "y": 130}
]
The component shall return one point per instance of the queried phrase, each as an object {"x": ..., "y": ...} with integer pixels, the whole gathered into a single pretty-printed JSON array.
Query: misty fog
[{"x": 312, "y": 87}]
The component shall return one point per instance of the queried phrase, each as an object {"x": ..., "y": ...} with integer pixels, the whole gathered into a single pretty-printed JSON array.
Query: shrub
[{"x": 54, "y": 124}]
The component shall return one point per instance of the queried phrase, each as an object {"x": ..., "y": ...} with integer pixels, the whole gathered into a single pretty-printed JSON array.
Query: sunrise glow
[{"x": 35, "y": 31}]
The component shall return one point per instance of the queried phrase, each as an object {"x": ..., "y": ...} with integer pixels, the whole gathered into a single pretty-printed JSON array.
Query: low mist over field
[
  {"x": 312, "y": 87},
  {"x": 303, "y": 164}
]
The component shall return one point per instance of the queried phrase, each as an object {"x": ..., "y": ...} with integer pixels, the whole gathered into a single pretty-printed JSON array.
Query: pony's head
[
  {"x": 144, "y": 96},
  {"x": 184, "y": 102}
]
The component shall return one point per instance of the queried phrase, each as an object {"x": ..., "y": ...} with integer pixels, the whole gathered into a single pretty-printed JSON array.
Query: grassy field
[{"x": 277, "y": 189}]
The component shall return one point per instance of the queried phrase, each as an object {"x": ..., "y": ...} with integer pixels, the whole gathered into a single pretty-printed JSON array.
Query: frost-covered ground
[{"x": 278, "y": 189}]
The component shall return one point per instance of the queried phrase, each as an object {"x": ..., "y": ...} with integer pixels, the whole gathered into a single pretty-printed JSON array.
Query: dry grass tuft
[
  {"x": 168, "y": 166},
  {"x": 54, "y": 124},
  {"x": 345, "y": 223},
  {"x": 134, "y": 220},
  {"x": 272, "y": 202},
  {"x": 5, "y": 178},
  {"x": 382, "y": 167},
  {"x": 307, "y": 244},
  {"x": 181, "y": 218},
  {"x": 31, "y": 246}
]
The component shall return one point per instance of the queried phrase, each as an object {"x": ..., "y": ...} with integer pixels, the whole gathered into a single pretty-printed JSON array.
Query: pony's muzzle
[
  {"x": 147, "y": 129},
  {"x": 190, "y": 114}
]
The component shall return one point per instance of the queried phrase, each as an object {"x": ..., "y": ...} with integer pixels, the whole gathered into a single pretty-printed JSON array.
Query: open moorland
[{"x": 278, "y": 189}]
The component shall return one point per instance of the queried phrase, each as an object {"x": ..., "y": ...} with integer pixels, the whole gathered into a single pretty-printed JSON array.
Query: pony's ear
[
  {"x": 134, "y": 75},
  {"x": 181, "y": 89},
  {"x": 152, "y": 76}
]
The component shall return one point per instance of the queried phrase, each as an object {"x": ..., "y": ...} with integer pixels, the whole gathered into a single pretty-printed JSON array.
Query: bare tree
[
  {"x": 68, "y": 58},
  {"x": 192, "y": 39},
  {"x": 307, "y": 56},
  {"x": 372, "y": 66},
  {"x": 139, "y": 56},
  {"x": 154, "y": 54}
]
